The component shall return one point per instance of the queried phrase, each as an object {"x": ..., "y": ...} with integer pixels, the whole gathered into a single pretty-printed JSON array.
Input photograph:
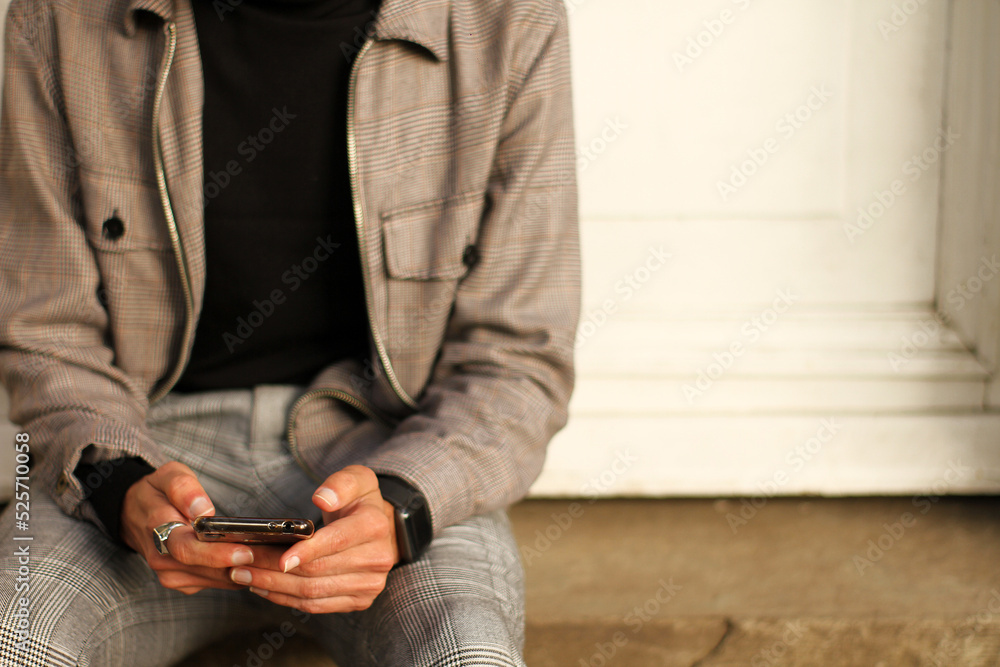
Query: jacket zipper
[
  {"x": 175, "y": 238},
  {"x": 352, "y": 164}
]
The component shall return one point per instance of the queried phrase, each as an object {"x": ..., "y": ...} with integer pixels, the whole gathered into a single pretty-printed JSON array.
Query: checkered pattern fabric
[{"x": 95, "y": 604}]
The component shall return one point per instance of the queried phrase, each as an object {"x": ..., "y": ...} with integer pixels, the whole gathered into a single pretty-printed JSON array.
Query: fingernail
[
  {"x": 241, "y": 576},
  {"x": 244, "y": 557},
  {"x": 292, "y": 563},
  {"x": 199, "y": 507},
  {"x": 327, "y": 496},
  {"x": 259, "y": 591}
]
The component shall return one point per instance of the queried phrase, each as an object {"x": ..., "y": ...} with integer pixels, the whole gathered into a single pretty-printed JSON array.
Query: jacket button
[
  {"x": 113, "y": 228},
  {"x": 62, "y": 483},
  {"x": 471, "y": 256}
]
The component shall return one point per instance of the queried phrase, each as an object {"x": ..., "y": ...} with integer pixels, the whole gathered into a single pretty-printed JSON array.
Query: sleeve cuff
[{"x": 106, "y": 484}]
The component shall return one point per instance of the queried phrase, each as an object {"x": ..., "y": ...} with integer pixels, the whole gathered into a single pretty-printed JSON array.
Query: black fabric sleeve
[{"x": 106, "y": 484}]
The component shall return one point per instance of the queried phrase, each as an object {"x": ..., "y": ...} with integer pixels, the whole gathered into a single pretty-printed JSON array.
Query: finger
[
  {"x": 185, "y": 548},
  {"x": 344, "y": 487},
  {"x": 333, "y": 605},
  {"x": 169, "y": 564},
  {"x": 367, "y": 524},
  {"x": 181, "y": 487},
  {"x": 268, "y": 556},
  {"x": 354, "y": 584},
  {"x": 178, "y": 579},
  {"x": 370, "y": 557}
]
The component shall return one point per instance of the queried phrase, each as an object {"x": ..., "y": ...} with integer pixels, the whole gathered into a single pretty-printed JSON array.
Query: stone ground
[{"x": 644, "y": 583}]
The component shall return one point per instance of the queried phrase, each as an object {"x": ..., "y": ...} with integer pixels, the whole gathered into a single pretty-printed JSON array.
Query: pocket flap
[{"x": 428, "y": 241}]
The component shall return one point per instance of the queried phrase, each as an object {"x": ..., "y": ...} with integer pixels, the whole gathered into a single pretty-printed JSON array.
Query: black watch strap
[{"x": 413, "y": 517}]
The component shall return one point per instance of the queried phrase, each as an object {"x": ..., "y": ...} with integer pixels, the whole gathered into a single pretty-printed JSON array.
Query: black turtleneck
[{"x": 283, "y": 295}]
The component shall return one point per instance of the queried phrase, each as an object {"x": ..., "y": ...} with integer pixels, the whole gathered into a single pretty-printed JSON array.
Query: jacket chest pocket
[
  {"x": 139, "y": 284},
  {"x": 428, "y": 249},
  {"x": 433, "y": 241},
  {"x": 121, "y": 215}
]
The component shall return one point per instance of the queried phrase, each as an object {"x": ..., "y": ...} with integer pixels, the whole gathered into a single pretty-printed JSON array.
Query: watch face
[{"x": 413, "y": 520}]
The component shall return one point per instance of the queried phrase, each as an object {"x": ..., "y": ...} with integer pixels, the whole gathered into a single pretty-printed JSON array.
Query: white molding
[
  {"x": 861, "y": 361},
  {"x": 897, "y": 432},
  {"x": 734, "y": 455}
]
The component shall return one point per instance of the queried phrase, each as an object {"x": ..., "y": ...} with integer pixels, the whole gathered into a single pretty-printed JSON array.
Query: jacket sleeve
[
  {"x": 55, "y": 358},
  {"x": 505, "y": 374}
]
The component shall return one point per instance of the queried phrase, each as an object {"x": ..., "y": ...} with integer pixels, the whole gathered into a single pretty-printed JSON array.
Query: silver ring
[{"x": 161, "y": 533}]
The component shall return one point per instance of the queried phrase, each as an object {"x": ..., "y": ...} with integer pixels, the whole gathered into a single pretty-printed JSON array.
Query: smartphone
[{"x": 251, "y": 530}]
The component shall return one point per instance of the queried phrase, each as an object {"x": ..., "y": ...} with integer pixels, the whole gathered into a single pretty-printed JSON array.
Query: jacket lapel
[{"x": 423, "y": 22}]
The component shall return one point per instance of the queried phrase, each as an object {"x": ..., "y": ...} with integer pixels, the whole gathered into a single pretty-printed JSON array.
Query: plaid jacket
[{"x": 461, "y": 152}]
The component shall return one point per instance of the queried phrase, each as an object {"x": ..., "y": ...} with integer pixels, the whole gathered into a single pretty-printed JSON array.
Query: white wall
[
  {"x": 865, "y": 287},
  {"x": 970, "y": 225},
  {"x": 689, "y": 126}
]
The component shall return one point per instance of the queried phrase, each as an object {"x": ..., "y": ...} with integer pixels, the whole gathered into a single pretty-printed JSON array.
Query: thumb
[
  {"x": 181, "y": 487},
  {"x": 327, "y": 500},
  {"x": 344, "y": 487}
]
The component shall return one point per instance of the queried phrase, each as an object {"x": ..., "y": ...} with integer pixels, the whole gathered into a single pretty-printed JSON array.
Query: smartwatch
[{"x": 413, "y": 517}]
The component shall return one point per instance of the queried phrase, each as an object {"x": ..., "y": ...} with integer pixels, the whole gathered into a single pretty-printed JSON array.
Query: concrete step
[
  {"x": 649, "y": 583},
  {"x": 900, "y": 581}
]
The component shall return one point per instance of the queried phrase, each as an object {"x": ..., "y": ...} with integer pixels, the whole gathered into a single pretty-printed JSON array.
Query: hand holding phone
[{"x": 252, "y": 530}]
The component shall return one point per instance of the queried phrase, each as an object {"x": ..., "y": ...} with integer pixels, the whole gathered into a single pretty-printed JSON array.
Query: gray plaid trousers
[{"x": 95, "y": 604}]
